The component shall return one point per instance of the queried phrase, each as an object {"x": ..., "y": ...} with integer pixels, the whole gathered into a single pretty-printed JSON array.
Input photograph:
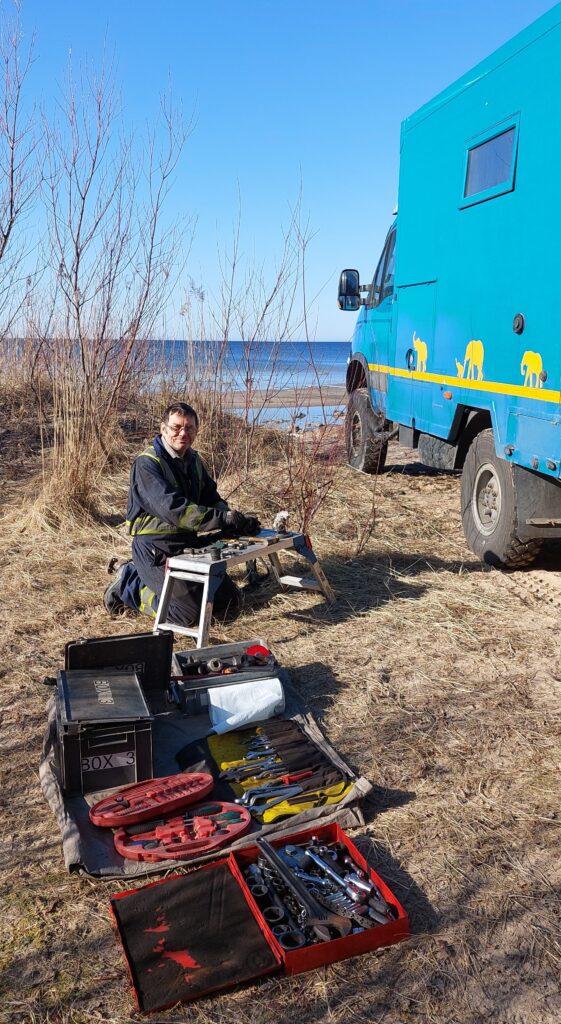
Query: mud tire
[
  {"x": 436, "y": 453},
  {"x": 488, "y": 505},
  {"x": 365, "y": 438}
]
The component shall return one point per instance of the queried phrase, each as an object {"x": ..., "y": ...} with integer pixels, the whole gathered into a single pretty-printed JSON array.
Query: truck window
[
  {"x": 490, "y": 164},
  {"x": 387, "y": 283},
  {"x": 378, "y": 287}
]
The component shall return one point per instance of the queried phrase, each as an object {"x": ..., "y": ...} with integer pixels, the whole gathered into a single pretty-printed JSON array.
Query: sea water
[{"x": 267, "y": 366}]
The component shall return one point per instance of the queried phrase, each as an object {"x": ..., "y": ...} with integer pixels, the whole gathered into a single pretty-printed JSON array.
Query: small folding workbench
[{"x": 208, "y": 566}]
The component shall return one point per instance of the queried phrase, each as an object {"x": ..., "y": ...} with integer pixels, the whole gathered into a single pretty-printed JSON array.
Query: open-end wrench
[
  {"x": 249, "y": 770},
  {"x": 270, "y": 796},
  {"x": 274, "y": 784}
]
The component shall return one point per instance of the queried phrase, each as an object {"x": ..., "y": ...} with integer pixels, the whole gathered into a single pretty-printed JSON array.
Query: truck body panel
[{"x": 478, "y": 243}]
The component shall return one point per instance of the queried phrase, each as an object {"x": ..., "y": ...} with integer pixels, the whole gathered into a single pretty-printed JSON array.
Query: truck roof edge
[{"x": 506, "y": 52}]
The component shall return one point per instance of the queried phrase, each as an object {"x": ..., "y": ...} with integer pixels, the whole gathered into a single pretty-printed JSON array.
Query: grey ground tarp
[{"x": 90, "y": 850}]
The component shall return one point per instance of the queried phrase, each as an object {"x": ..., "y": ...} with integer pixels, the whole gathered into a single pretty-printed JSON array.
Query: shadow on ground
[
  {"x": 417, "y": 469},
  {"x": 371, "y": 581}
]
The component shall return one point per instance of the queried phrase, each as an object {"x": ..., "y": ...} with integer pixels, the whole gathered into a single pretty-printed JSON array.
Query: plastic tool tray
[{"x": 189, "y": 935}]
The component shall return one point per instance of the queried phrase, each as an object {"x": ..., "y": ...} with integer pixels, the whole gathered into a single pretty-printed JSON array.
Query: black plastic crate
[
  {"x": 104, "y": 730},
  {"x": 147, "y": 654}
]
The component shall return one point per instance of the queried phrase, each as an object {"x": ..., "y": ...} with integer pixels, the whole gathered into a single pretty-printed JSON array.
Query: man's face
[{"x": 180, "y": 431}]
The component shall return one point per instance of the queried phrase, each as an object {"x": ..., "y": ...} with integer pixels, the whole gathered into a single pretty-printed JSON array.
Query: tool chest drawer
[
  {"x": 372, "y": 934},
  {"x": 300, "y": 902}
]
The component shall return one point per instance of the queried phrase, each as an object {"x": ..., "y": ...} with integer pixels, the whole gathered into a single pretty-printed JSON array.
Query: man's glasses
[{"x": 175, "y": 430}]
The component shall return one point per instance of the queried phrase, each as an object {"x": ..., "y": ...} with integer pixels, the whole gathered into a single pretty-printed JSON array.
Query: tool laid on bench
[
  {"x": 145, "y": 799},
  {"x": 204, "y": 828}
]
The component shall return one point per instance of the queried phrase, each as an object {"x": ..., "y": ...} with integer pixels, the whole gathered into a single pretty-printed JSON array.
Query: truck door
[
  {"x": 409, "y": 398},
  {"x": 377, "y": 324}
]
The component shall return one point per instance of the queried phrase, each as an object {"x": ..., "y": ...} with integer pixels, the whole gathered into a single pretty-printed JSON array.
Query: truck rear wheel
[
  {"x": 366, "y": 441},
  {"x": 488, "y": 503}
]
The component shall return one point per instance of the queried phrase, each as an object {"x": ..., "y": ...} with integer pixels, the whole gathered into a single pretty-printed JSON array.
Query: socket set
[{"x": 314, "y": 892}]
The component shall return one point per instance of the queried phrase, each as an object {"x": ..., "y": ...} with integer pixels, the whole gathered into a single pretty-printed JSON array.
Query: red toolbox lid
[{"x": 175, "y": 954}]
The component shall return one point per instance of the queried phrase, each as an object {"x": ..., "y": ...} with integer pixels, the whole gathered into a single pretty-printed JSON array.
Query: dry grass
[{"x": 437, "y": 678}]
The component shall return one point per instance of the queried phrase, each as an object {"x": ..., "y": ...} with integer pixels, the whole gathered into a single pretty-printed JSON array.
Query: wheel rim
[
  {"x": 356, "y": 433},
  {"x": 486, "y": 499}
]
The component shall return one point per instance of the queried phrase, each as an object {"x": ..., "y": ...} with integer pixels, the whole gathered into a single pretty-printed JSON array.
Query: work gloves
[{"x": 240, "y": 525}]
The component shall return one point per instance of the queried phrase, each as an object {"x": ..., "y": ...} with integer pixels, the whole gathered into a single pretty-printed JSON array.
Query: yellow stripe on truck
[{"x": 491, "y": 386}]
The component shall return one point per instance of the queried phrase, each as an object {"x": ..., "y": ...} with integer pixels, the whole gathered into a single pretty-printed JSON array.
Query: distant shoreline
[{"x": 288, "y": 398}]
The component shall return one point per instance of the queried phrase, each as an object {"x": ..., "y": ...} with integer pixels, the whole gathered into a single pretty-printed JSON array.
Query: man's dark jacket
[{"x": 171, "y": 500}]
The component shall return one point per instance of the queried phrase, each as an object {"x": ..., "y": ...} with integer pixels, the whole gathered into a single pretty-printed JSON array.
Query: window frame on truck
[
  {"x": 512, "y": 124},
  {"x": 378, "y": 291}
]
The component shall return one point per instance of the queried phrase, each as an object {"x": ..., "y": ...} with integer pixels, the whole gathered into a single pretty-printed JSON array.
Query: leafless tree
[
  {"x": 18, "y": 171},
  {"x": 112, "y": 262}
]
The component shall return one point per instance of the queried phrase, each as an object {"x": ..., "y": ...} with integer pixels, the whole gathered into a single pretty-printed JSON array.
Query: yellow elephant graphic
[
  {"x": 532, "y": 368},
  {"x": 473, "y": 360},
  {"x": 421, "y": 350}
]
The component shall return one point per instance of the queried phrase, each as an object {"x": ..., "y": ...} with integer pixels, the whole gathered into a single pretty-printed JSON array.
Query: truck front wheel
[
  {"x": 488, "y": 501},
  {"x": 366, "y": 439}
]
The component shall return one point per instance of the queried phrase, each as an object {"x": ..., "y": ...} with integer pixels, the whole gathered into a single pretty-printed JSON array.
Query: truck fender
[
  {"x": 467, "y": 423},
  {"x": 357, "y": 372}
]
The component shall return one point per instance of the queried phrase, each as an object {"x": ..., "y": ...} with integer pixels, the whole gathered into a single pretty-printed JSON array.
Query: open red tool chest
[{"x": 211, "y": 929}]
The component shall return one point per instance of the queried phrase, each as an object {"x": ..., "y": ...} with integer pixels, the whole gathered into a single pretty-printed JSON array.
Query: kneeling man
[{"x": 172, "y": 501}]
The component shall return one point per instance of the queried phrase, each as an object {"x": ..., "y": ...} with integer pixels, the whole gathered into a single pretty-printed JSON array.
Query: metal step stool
[{"x": 205, "y": 569}]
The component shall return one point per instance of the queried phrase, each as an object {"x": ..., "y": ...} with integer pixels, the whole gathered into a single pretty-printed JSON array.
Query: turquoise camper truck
[{"x": 458, "y": 338}]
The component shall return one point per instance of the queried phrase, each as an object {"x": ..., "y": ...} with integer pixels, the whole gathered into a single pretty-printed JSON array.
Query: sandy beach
[{"x": 288, "y": 398}]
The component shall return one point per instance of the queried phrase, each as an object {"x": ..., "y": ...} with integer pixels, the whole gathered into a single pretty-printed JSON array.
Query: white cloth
[{"x": 232, "y": 707}]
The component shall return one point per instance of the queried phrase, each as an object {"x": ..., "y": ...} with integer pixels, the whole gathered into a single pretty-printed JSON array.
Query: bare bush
[
  {"x": 234, "y": 387},
  {"x": 18, "y": 190},
  {"x": 111, "y": 265}
]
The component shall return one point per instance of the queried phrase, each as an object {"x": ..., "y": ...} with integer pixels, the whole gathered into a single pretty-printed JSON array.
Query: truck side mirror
[{"x": 349, "y": 290}]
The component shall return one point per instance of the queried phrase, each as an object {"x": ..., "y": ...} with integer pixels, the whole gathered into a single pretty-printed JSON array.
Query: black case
[
  {"x": 147, "y": 654},
  {"x": 104, "y": 730}
]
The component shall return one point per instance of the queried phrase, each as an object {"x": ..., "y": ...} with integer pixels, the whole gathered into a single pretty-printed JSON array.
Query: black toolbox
[
  {"x": 104, "y": 730},
  {"x": 149, "y": 655}
]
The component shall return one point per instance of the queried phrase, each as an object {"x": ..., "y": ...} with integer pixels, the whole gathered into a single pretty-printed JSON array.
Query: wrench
[
  {"x": 317, "y": 918},
  {"x": 249, "y": 770},
  {"x": 302, "y": 855},
  {"x": 268, "y": 797}
]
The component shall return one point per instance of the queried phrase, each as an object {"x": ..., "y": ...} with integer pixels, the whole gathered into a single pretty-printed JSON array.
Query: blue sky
[{"x": 283, "y": 94}]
